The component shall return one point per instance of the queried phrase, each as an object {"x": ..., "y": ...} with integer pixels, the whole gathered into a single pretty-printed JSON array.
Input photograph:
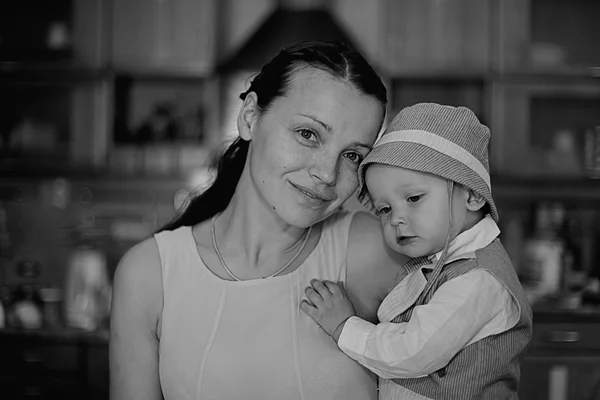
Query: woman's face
[{"x": 306, "y": 148}]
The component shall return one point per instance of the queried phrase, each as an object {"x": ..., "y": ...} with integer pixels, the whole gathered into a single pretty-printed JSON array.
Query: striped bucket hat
[{"x": 446, "y": 141}]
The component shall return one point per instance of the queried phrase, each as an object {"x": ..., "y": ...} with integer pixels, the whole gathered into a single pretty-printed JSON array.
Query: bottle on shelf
[
  {"x": 541, "y": 270},
  {"x": 592, "y": 152}
]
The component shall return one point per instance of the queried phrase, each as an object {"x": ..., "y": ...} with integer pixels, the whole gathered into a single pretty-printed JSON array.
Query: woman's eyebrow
[{"x": 317, "y": 120}]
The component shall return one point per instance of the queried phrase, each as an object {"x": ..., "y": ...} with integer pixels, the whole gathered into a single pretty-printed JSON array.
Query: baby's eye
[
  {"x": 383, "y": 210},
  {"x": 354, "y": 157},
  {"x": 414, "y": 199},
  {"x": 306, "y": 134}
]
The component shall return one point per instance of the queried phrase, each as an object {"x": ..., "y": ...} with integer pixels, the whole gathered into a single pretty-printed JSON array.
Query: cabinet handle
[
  {"x": 31, "y": 391},
  {"x": 564, "y": 336},
  {"x": 31, "y": 357}
]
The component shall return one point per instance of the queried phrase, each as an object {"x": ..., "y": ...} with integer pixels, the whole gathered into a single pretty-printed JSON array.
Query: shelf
[
  {"x": 69, "y": 73},
  {"x": 441, "y": 74},
  {"x": 514, "y": 189},
  {"x": 49, "y": 73},
  {"x": 163, "y": 74},
  {"x": 552, "y": 74}
]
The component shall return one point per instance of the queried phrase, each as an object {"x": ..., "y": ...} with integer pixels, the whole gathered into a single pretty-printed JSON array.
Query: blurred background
[{"x": 110, "y": 111}]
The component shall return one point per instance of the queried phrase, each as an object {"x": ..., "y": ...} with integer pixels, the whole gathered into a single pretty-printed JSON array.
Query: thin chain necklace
[{"x": 279, "y": 271}]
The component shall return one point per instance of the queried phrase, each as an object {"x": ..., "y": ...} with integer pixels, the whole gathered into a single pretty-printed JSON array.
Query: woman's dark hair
[{"x": 272, "y": 82}]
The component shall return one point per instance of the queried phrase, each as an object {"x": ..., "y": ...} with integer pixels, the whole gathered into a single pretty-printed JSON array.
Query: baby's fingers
[
  {"x": 320, "y": 287},
  {"x": 308, "y": 309},
  {"x": 313, "y": 296},
  {"x": 335, "y": 288}
]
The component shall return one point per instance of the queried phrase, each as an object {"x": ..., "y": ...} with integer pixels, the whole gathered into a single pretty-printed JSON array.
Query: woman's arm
[
  {"x": 135, "y": 315},
  {"x": 372, "y": 266}
]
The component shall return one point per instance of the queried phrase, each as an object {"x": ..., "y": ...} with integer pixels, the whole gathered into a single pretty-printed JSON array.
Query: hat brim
[{"x": 418, "y": 157}]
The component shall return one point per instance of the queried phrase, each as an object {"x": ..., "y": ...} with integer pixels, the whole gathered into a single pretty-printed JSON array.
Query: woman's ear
[
  {"x": 248, "y": 116},
  {"x": 475, "y": 201}
]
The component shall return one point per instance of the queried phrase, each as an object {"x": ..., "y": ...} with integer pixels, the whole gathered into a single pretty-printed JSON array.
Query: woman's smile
[{"x": 311, "y": 197}]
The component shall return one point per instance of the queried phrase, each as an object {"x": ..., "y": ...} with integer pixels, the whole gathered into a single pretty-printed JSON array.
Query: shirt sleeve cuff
[{"x": 353, "y": 339}]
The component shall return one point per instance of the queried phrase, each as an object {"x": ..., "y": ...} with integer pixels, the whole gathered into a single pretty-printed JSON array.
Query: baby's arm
[{"x": 462, "y": 311}]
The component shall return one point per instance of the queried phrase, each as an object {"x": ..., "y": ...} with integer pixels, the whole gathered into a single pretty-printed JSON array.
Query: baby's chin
[
  {"x": 407, "y": 250},
  {"x": 414, "y": 251}
]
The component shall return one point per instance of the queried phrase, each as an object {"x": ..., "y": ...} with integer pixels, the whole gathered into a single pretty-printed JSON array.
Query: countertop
[
  {"x": 98, "y": 337},
  {"x": 543, "y": 314}
]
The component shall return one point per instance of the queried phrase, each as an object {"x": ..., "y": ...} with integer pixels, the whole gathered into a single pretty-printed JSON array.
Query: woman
[{"x": 209, "y": 308}]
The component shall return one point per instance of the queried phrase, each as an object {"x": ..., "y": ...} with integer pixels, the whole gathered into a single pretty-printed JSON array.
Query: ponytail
[{"x": 216, "y": 198}]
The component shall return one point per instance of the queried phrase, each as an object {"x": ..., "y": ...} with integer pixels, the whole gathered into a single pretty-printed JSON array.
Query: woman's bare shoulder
[
  {"x": 366, "y": 241},
  {"x": 142, "y": 261},
  {"x": 138, "y": 281},
  {"x": 135, "y": 322},
  {"x": 372, "y": 265}
]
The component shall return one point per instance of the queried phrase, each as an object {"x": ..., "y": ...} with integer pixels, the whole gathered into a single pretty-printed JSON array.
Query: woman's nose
[{"x": 325, "y": 170}]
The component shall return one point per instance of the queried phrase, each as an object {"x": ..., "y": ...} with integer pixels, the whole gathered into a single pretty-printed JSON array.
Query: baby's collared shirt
[{"x": 462, "y": 311}]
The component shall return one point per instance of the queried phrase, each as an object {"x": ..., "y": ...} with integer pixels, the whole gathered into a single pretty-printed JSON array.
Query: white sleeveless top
[{"x": 249, "y": 340}]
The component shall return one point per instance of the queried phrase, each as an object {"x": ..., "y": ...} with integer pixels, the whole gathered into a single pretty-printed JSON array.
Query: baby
[{"x": 456, "y": 323}]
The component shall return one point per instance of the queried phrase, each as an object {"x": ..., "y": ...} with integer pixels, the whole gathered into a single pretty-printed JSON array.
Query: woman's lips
[{"x": 312, "y": 195}]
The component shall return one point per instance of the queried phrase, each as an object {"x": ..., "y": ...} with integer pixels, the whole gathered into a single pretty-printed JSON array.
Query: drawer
[
  {"x": 567, "y": 336},
  {"x": 40, "y": 388},
  {"x": 29, "y": 355}
]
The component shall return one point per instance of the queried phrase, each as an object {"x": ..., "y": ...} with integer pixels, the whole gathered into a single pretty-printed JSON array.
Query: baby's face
[{"x": 413, "y": 208}]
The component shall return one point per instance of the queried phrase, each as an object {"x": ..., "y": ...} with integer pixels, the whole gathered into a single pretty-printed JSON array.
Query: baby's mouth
[{"x": 403, "y": 239}]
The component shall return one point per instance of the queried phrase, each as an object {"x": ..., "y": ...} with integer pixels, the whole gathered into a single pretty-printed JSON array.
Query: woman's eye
[
  {"x": 414, "y": 199},
  {"x": 306, "y": 134},
  {"x": 354, "y": 157}
]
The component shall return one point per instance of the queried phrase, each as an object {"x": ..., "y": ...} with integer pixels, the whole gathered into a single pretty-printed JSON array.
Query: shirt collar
[{"x": 465, "y": 244}]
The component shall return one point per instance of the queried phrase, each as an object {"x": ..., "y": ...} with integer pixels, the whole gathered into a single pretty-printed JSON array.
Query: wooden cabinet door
[
  {"x": 526, "y": 114},
  {"x": 168, "y": 35},
  {"x": 97, "y": 369},
  {"x": 546, "y": 34},
  {"x": 436, "y": 35},
  {"x": 569, "y": 378}
]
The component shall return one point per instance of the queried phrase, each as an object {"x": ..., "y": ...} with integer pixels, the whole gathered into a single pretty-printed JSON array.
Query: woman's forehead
[{"x": 333, "y": 101}]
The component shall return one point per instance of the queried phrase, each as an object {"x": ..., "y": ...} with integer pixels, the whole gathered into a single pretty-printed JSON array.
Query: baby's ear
[{"x": 475, "y": 201}]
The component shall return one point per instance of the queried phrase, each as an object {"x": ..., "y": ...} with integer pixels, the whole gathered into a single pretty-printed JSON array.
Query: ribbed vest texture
[{"x": 488, "y": 369}]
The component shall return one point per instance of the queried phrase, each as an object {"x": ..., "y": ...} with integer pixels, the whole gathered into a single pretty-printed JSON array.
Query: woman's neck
[{"x": 249, "y": 230}]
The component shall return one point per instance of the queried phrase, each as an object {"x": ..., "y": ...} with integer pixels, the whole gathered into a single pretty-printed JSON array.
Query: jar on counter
[
  {"x": 87, "y": 288},
  {"x": 542, "y": 269},
  {"x": 51, "y": 298}
]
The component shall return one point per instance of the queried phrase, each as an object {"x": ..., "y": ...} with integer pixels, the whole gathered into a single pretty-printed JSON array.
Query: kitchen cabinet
[
  {"x": 63, "y": 111},
  {"x": 527, "y": 68},
  {"x": 563, "y": 362},
  {"x": 467, "y": 91},
  {"x": 546, "y": 34},
  {"x": 546, "y": 79},
  {"x": 166, "y": 35},
  {"x": 52, "y": 365},
  {"x": 527, "y": 111},
  {"x": 435, "y": 35},
  {"x": 53, "y": 86}
]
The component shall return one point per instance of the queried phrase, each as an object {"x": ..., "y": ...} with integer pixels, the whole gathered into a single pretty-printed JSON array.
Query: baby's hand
[{"x": 328, "y": 304}]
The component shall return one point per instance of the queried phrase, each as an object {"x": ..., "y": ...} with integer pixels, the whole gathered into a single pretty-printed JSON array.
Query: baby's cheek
[{"x": 390, "y": 238}]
